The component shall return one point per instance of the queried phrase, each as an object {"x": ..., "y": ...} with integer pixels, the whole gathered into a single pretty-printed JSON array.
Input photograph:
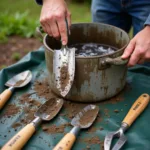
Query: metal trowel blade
[
  {"x": 49, "y": 109},
  {"x": 64, "y": 70},
  {"x": 86, "y": 117},
  {"x": 20, "y": 79}
]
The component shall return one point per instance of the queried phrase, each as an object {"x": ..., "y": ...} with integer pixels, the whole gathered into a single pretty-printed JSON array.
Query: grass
[
  {"x": 16, "y": 56},
  {"x": 22, "y": 17},
  {"x": 13, "y": 6},
  {"x": 80, "y": 12}
]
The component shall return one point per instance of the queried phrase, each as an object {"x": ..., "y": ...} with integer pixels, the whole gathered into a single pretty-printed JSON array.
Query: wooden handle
[
  {"x": 66, "y": 142},
  {"x": 136, "y": 109},
  {"x": 20, "y": 139},
  {"x": 4, "y": 97}
]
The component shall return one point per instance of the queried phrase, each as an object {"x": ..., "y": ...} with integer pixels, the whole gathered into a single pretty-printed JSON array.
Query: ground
[{"x": 16, "y": 48}]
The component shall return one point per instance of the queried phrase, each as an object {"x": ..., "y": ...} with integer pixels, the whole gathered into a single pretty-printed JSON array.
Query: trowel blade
[
  {"x": 49, "y": 109},
  {"x": 20, "y": 79},
  {"x": 122, "y": 140},
  {"x": 108, "y": 140},
  {"x": 86, "y": 117},
  {"x": 64, "y": 70}
]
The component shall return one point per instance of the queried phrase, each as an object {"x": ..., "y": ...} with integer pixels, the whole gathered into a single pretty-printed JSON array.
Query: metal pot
[{"x": 96, "y": 77}]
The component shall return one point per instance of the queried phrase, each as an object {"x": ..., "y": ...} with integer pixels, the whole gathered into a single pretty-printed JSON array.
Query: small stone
[{"x": 116, "y": 111}]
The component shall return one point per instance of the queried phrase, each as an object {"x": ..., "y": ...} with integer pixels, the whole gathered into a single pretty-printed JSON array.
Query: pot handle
[
  {"x": 106, "y": 62},
  {"x": 40, "y": 32},
  {"x": 115, "y": 61}
]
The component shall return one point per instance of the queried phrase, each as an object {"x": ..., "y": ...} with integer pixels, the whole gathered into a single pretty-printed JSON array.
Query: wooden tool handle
[
  {"x": 136, "y": 109},
  {"x": 66, "y": 143},
  {"x": 4, "y": 97},
  {"x": 20, "y": 139}
]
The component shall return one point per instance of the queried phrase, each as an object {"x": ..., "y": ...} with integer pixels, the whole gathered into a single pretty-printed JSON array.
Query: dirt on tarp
[
  {"x": 11, "y": 110},
  {"x": 42, "y": 90},
  {"x": 55, "y": 129},
  {"x": 15, "y": 48},
  {"x": 93, "y": 140}
]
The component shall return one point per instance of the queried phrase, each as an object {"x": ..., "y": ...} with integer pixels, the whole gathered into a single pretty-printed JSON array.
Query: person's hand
[
  {"x": 52, "y": 19},
  {"x": 138, "y": 49}
]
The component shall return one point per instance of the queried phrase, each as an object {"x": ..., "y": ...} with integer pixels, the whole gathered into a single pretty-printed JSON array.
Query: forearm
[{"x": 147, "y": 22}]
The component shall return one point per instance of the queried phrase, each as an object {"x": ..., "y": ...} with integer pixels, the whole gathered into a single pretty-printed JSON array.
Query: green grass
[
  {"x": 13, "y": 6},
  {"x": 21, "y": 17},
  {"x": 80, "y": 12},
  {"x": 16, "y": 56}
]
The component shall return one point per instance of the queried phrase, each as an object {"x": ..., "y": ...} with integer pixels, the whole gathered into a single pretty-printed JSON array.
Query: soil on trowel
[
  {"x": 11, "y": 110},
  {"x": 18, "y": 83},
  {"x": 50, "y": 108},
  {"x": 88, "y": 117},
  {"x": 64, "y": 77}
]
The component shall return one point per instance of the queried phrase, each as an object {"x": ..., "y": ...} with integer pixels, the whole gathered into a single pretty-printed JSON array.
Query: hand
[
  {"x": 52, "y": 19},
  {"x": 139, "y": 48}
]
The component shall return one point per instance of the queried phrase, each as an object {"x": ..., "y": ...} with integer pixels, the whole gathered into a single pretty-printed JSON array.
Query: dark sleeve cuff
[
  {"x": 40, "y": 2},
  {"x": 147, "y": 22}
]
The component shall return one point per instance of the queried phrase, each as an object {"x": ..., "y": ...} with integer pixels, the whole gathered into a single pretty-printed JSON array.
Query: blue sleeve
[
  {"x": 40, "y": 2},
  {"x": 147, "y": 22}
]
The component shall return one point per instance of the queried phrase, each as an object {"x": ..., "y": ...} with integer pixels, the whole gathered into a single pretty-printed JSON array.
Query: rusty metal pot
[{"x": 96, "y": 77}]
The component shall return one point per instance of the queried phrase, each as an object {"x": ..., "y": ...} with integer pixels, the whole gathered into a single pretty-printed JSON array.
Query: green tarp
[{"x": 138, "y": 135}]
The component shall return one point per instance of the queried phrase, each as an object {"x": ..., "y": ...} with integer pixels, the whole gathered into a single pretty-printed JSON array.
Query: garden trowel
[
  {"x": 82, "y": 120},
  {"x": 18, "y": 81},
  {"x": 64, "y": 68},
  {"x": 136, "y": 109},
  {"x": 46, "y": 112}
]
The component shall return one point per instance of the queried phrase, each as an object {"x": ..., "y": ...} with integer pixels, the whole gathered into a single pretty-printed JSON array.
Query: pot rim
[{"x": 97, "y": 56}]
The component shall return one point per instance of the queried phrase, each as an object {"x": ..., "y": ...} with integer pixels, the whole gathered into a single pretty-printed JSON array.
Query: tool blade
[
  {"x": 49, "y": 109},
  {"x": 108, "y": 140},
  {"x": 64, "y": 70},
  {"x": 86, "y": 117},
  {"x": 20, "y": 79},
  {"x": 121, "y": 141}
]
